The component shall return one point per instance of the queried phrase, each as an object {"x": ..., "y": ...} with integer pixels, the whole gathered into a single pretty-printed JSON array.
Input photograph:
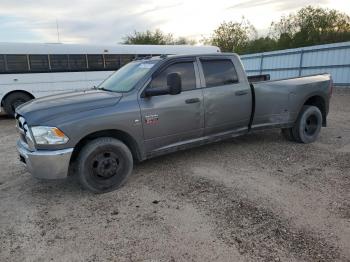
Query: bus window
[
  {"x": 17, "y": 63},
  {"x": 112, "y": 62},
  {"x": 59, "y": 62},
  {"x": 95, "y": 62},
  {"x": 77, "y": 62},
  {"x": 2, "y": 64},
  {"x": 124, "y": 59},
  {"x": 39, "y": 63}
]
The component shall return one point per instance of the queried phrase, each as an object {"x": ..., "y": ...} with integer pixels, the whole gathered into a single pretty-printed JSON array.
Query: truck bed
[{"x": 277, "y": 102}]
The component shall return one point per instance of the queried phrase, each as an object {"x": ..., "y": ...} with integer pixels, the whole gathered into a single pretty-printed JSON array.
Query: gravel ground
[{"x": 256, "y": 197}]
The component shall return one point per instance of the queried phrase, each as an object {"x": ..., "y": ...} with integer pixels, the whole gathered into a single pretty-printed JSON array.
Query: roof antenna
[{"x": 58, "y": 33}]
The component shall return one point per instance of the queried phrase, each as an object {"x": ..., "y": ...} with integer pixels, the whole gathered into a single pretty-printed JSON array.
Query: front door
[{"x": 170, "y": 120}]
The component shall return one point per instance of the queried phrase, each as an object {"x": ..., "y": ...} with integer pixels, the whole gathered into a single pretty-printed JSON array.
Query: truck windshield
[{"x": 126, "y": 77}]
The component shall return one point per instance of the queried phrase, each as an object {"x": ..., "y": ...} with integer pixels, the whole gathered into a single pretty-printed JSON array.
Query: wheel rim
[
  {"x": 311, "y": 125},
  {"x": 105, "y": 165}
]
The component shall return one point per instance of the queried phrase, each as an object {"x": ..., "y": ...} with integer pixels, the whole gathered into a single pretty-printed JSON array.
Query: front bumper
[{"x": 45, "y": 164}]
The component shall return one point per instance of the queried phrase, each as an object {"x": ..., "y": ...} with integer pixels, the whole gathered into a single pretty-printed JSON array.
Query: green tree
[
  {"x": 232, "y": 36},
  {"x": 156, "y": 37},
  {"x": 311, "y": 26},
  {"x": 261, "y": 44},
  {"x": 184, "y": 41},
  {"x": 148, "y": 37}
]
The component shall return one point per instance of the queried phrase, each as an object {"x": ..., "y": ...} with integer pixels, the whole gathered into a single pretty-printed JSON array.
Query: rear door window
[{"x": 219, "y": 72}]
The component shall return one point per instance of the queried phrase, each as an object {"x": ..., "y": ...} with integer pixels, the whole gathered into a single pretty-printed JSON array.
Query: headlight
[{"x": 45, "y": 135}]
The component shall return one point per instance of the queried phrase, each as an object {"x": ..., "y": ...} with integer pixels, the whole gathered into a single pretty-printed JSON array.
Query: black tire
[
  {"x": 12, "y": 101},
  {"x": 104, "y": 164},
  {"x": 308, "y": 125}
]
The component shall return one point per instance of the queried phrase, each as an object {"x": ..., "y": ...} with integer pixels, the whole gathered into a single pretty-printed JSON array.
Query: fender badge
[{"x": 151, "y": 119}]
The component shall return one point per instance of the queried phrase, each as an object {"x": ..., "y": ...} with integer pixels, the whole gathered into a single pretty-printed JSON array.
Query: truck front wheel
[
  {"x": 307, "y": 127},
  {"x": 104, "y": 164}
]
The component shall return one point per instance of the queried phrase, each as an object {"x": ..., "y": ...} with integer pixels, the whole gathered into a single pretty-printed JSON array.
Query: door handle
[
  {"x": 192, "y": 100},
  {"x": 241, "y": 93}
]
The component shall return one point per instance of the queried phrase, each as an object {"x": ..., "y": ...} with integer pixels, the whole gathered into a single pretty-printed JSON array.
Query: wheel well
[
  {"x": 120, "y": 135},
  {"x": 319, "y": 102},
  {"x": 15, "y": 91}
]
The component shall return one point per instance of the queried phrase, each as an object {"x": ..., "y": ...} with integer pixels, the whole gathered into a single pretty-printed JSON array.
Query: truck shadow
[
  {"x": 242, "y": 145},
  {"x": 68, "y": 187}
]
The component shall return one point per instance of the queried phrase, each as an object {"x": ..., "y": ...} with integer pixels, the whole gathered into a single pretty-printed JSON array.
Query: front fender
[{"x": 123, "y": 117}]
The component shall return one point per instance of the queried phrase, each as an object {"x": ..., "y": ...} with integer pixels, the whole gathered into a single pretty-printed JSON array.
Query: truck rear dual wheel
[
  {"x": 307, "y": 127},
  {"x": 13, "y": 100},
  {"x": 104, "y": 164}
]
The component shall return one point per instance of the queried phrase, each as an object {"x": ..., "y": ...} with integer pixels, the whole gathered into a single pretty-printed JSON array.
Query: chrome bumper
[{"x": 45, "y": 164}]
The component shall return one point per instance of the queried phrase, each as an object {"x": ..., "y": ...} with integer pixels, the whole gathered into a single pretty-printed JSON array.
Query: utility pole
[{"x": 58, "y": 33}]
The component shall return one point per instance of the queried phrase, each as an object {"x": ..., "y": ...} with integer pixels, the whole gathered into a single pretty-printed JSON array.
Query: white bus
[{"x": 29, "y": 71}]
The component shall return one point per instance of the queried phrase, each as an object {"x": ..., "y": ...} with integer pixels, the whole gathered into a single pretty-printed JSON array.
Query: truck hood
[{"x": 40, "y": 110}]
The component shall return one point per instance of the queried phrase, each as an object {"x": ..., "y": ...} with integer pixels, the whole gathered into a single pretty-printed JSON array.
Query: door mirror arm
[{"x": 155, "y": 92}]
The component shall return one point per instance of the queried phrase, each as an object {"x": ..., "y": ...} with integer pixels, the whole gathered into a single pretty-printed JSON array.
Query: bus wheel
[{"x": 12, "y": 101}]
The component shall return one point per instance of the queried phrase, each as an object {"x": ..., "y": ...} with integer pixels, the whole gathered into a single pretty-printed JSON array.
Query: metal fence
[{"x": 331, "y": 58}]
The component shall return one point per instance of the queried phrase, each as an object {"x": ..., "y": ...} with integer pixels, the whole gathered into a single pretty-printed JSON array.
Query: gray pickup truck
[{"x": 159, "y": 105}]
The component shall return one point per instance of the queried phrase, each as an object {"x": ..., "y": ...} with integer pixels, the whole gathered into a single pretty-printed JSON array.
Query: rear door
[
  {"x": 227, "y": 98},
  {"x": 170, "y": 120}
]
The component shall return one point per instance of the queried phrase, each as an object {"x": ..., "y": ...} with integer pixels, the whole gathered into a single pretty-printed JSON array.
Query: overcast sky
[{"x": 107, "y": 21}]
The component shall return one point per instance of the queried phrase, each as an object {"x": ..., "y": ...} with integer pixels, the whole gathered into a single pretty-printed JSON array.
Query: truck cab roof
[{"x": 171, "y": 56}]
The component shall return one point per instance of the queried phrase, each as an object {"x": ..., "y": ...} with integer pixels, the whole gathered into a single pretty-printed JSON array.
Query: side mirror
[
  {"x": 174, "y": 83},
  {"x": 173, "y": 87}
]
